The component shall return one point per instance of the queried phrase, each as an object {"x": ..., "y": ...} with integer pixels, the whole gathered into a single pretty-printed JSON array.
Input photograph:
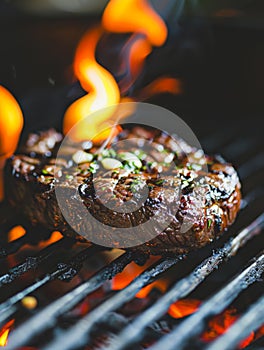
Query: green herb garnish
[
  {"x": 93, "y": 167},
  {"x": 140, "y": 154},
  {"x": 109, "y": 153},
  {"x": 136, "y": 185},
  {"x": 160, "y": 182},
  {"x": 209, "y": 223}
]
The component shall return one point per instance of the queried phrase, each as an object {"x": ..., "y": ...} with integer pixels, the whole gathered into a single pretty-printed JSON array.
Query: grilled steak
[{"x": 208, "y": 202}]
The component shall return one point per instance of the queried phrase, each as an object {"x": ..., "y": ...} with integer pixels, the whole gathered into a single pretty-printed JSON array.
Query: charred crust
[{"x": 30, "y": 186}]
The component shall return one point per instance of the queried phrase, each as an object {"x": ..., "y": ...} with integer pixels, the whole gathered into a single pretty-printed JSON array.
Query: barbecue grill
[
  {"x": 72, "y": 282},
  {"x": 240, "y": 248}
]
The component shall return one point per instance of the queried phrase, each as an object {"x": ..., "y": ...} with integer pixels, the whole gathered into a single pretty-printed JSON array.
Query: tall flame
[
  {"x": 148, "y": 29},
  {"x": 102, "y": 87},
  {"x": 11, "y": 124},
  {"x": 136, "y": 16}
]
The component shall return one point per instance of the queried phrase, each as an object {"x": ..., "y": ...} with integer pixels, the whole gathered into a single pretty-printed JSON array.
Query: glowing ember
[
  {"x": 122, "y": 279},
  {"x": 220, "y": 324},
  {"x": 55, "y": 236},
  {"x": 11, "y": 124},
  {"x": 217, "y": 325},
  {"x": 5, "y": 332},
  {"x": 161, "y": 285},
  {"x": 15, "y": 233},
  {"x": 182, "y": 308},
  {"x": 260, "y": 332},
  {"x": 29, "y": 302}
]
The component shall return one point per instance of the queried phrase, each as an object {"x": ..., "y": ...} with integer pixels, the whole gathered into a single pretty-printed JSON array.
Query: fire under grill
[{"x": 225, "y": 274}]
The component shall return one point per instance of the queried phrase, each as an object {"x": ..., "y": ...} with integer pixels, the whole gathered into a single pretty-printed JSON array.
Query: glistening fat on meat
[{"x": 207, "y": 205}]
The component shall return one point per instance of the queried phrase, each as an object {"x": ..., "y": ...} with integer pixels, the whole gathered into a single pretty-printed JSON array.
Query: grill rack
[{"x": 78, "y": 335}]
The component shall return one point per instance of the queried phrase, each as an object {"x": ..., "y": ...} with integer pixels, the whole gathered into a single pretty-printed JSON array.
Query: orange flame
[
  {"x": 102, "y": 87},
  {"x": 149, "y": 30},
  {"x": 148, "y": 27},
  {"x": 4, "y": 332},
  {"x": 124, "y": 16},
  {"x": 159, "y": 86},
  {"x": 11, "y": 124},
  {"x": 136, "y": 51}
]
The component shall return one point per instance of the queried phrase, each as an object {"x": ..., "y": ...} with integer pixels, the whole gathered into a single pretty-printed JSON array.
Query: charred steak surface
[{"x": 31, "y": 186}]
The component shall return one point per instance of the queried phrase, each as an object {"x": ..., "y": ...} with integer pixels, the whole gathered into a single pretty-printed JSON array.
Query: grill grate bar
[
  {"x": 248, "y": 322},
  {"x": 81, "y": 330},
  {"x": 135, "y": 331},
  {"x": 61, "y": 269},
  {"x": 46, "y": 318},
  {"x": 195, "y": 324},
  {"x": 32, "y": 262}
]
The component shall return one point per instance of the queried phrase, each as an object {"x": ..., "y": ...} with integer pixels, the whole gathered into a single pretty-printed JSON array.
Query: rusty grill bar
[{"x": 132, "y": 333}]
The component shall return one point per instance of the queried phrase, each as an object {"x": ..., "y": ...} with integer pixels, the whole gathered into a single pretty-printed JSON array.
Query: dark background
[{"x": 218, "y": 57}]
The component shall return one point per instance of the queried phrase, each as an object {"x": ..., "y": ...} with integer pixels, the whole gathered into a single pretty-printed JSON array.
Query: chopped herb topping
[
  {"x": 160, "y": 182},
  {"x": 93, "y": 167},
  {"x": 109, "y": 153},
  {"x": 209, "y": 223},
  {"x": 44, "y": 172},
  {"x": 136, "y": 185},
  {"x": 140, "y": 154}
]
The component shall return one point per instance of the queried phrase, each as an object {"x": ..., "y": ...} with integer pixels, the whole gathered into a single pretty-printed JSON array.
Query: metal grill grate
[{"x": 132, "y": 333}]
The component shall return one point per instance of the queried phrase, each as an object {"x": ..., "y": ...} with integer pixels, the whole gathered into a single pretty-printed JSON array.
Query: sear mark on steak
[{"x": 208, "y": 204}]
